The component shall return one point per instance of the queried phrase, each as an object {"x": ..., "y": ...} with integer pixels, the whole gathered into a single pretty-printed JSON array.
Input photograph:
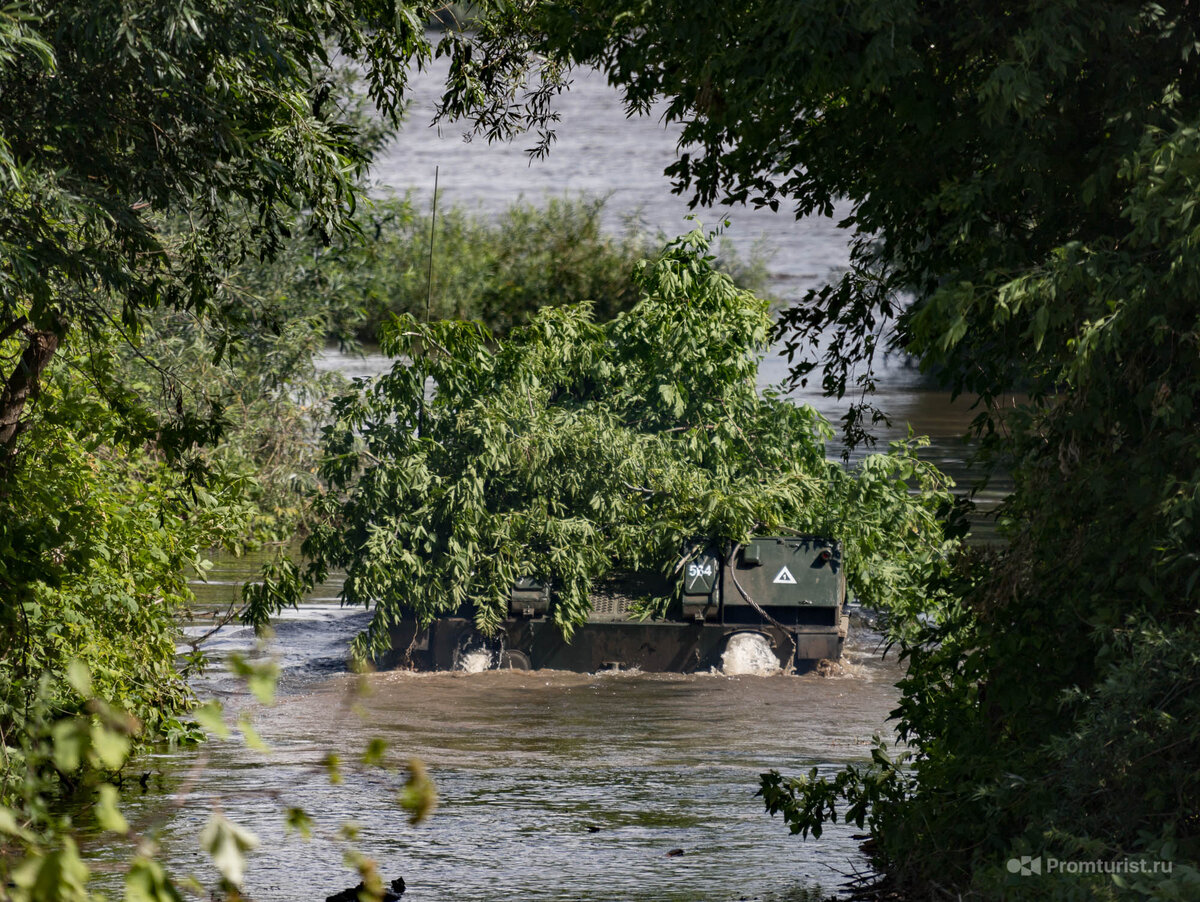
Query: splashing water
[
  {"x": 748, "y": 654},
  {"x": 476, "y": 660}
]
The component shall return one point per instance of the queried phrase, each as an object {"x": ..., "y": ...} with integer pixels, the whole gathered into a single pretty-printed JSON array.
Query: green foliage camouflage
[
  {"x": 1020, "y": 183},
  {"x": 573, "y": 449}
]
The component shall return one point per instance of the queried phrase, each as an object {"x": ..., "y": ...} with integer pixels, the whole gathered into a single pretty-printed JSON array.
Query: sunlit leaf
[
  {"x": 71, "y": 741},
  {"x": 80, "y": 678},
  {"x": 250, "y": 735},
  {"x": 298, "y": 820},
  {"x": 56, "y": 875},
  {"x": 261, "y": 677},
  {"x": 419, "y": 796},
  {"x": 108, "y": 815},
  {"x": 227, "y": 844},
  {"x": 375, "y": 752},
  {"x": 210, "y": 717},
  {"x": 109, "y": 746},
  {"x": 147, "y": 881}
]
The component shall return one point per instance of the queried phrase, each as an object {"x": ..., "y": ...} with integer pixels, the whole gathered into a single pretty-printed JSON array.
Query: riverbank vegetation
[
  {"x": 178, "y": 249},
  {"x": 576, "y": 448},
  {"x": 1021, "y": 182},
  {"x": 259, "y": 376},
  {"x": 497, "y": 271},
  {"x": 147, "y": 154},
  {"x": 493, "y": 270}
]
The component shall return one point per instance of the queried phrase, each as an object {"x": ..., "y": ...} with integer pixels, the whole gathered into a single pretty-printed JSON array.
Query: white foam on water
[
  {"x": 748, "y": 654},
  {"x": 477, "y": 660},
  {"x": 848, "y": 667}
]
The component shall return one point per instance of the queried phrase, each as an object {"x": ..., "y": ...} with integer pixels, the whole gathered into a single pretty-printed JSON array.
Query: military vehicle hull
[
  {"x": 789, "y": 590},
  {"x": 658, "y": 647}
]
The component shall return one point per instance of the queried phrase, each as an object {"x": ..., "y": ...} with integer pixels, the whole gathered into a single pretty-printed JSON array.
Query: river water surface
[{"x": 552, "y": 786}]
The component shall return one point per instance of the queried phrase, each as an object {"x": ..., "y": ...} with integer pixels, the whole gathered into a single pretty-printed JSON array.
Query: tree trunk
[{"x": 23, "y": 384}]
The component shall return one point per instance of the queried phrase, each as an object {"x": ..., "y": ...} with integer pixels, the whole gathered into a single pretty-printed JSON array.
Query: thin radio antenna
[
  {"x": 432, "y": 233},
  {"x": 428, "y": 292}
]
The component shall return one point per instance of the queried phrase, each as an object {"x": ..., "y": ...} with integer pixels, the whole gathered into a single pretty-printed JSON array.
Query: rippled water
[
  {"x": 553, "y": 786},
  {"x": 599, "y": 153}
]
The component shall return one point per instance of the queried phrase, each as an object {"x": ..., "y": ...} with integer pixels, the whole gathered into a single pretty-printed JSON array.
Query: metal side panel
[
  {"x": 653, "y": 647},
  {"x": 786, "y": 572}
]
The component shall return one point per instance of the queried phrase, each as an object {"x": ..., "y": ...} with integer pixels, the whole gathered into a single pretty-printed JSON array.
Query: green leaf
[
  {"x": 71, "y": 740},
  {"x": 110, "y": 747},
  {"x": 1041, "y": 318},
  {"x": 332, "y": 763},
  {"x": 227, "y": 844},
  {"x": 10, "y": 827},
  {"x": 375, "y": 752},
  {"x": 80, "y": 677},
  {"x": 297, "y": 820},
  {"x": 261, "y": 677},
  {"x": 419, "y": 796},
  {"x": 59, "y": 875},
  {"x": 210, "y": 717},
  {"x": 146, "y": 881},
  {"x": 108, "y": 815},
  {"x": 250, "y": 735}
]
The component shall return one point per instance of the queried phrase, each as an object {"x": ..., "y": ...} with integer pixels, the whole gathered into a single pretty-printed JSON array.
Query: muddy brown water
[{"x": 552, "y": 786}]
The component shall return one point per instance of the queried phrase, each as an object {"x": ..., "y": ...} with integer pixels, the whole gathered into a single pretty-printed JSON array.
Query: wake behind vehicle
[{"x": 790, "y": 590}]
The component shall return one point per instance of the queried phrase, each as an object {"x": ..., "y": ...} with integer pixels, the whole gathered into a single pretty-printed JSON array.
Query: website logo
[{"x": 1025, "y": 866}]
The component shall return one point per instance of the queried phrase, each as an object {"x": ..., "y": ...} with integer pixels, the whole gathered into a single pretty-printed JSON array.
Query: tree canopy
[
  {"x": 575, "y": 449},
  {"x": 221, "y": 120},
  {"x": 1020, "y": 181}
]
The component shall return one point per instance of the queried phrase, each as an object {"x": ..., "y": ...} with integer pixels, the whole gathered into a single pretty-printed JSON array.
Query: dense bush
[
  {"x": 499, "y": 271},
  {"x": 95, "y": 556},
  {"x": 264, "y": 395},
  {"x": 574, "y": 448}
]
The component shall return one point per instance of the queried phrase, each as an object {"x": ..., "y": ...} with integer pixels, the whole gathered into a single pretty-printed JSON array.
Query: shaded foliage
[
  {"x": 495, "y": 271},
  {"x": 265, "y": 391},
  {"x": 97, "y": 561},
  {"x": 1020, "y": 182}
]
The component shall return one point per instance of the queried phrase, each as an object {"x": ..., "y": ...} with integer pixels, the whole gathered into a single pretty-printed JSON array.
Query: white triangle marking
[{"x": 785, "y": 577}]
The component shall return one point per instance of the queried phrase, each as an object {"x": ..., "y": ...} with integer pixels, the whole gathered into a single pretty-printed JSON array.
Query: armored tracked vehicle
[{"x": 789, "y": 590}]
